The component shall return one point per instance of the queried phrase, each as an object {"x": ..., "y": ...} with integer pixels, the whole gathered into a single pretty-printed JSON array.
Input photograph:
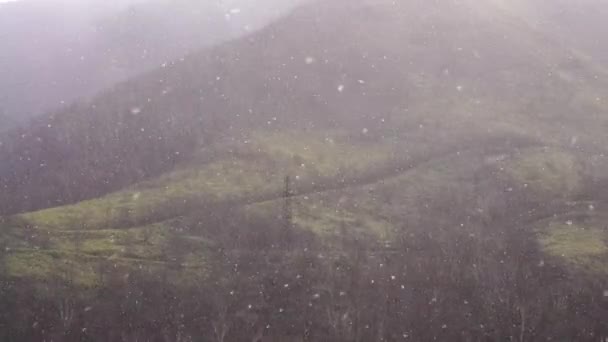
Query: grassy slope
[
  {"x": 246, "y": 173},
  {"x": 123, "y": 229},
  {"x": 132, "y": 226},
  {"x": 574, "y": 76}
]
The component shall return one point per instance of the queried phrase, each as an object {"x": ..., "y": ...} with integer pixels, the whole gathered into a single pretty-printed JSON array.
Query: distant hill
[
  {"x": 55, "y": 52},
  {"x": 573, "y": 24}
]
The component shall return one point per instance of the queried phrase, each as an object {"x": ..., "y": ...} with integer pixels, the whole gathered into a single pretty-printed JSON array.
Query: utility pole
[{"x": 287, "y": 211}]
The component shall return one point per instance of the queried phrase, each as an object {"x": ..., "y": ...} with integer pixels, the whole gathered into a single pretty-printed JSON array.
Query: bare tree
[{"x": 221, "y": 324}]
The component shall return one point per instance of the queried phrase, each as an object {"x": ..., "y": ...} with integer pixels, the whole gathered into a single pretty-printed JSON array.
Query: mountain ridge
[{"x": 226, "y": 70}]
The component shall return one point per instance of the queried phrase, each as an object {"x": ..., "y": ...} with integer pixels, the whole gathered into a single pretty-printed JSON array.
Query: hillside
[
  {"x": 472, "y": 81},
  {"x": 363, "y": 170},
  {"x": 571, "y": 24},
  {"x": 59, "y": 51}
]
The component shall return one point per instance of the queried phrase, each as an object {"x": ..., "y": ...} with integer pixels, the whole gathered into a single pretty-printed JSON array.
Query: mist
[
  {"x": 58, "y": 51},
  {"x": 335, "y": 170}
]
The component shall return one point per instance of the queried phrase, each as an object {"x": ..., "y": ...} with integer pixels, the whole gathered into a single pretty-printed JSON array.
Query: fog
[
  {"x": 331, "y": 170},
  {"x": 56, "y": 51}
]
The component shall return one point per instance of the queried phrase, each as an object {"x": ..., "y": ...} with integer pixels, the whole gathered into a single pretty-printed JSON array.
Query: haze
[
  {"x": 277, "y": 171},
  {"x": 56, "y": 51}
]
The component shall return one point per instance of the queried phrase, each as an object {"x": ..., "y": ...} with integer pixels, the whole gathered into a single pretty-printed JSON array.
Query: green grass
[
  {"x": 146, "y": 242},
  {"x": 546, "y": 172},
  {"x": 49, "y": 264},
  {"x": 133, "y": 228},
  {"x": 322, "y": 154},
  {"x": 170, "y": 195},
  {"x": 119, "y": 228},
  {"x": 255, "y": 171},
  {"x": 377, "y": 210},
  {"x": 85, "y": 270},
  {"x": 324, "y": 216},
  {"x": 78, "y": 254},
  {"x": 582, "y": 246}
]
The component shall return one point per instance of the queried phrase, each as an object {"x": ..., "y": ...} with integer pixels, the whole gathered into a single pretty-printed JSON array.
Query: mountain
[
  {"x": 574, "y": 25},
  {"x": 58, "y": 51},
  {"x": 304, "y": 80},
  {"x": 357, "y": 170}
]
